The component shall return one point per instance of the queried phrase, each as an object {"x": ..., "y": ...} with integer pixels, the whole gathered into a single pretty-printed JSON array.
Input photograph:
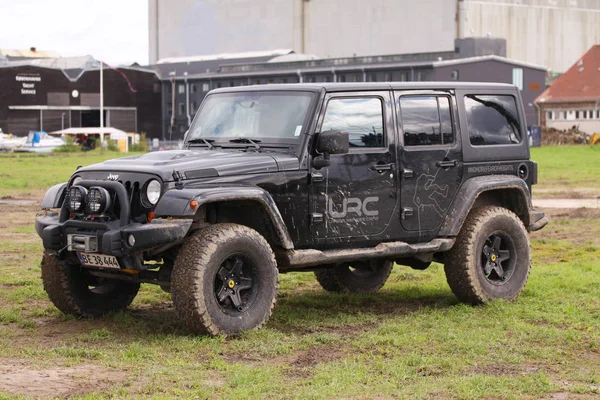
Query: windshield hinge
[{"x": 178, "y": 177}]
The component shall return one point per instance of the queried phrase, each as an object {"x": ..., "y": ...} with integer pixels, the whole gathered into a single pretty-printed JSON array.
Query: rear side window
[
  {"x": 492, "y": 119},
  {"x": 426, "y": 120},
  {"x": 361, "y": 117}
]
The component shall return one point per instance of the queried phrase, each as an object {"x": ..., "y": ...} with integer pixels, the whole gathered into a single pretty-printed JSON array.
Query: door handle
[
  {"x": 446, "y": 163},
  {"x": 382, "y": 167}
]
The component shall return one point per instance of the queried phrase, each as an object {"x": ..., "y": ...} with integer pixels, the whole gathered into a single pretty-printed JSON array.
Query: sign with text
[{"x": 28, "y": 83}]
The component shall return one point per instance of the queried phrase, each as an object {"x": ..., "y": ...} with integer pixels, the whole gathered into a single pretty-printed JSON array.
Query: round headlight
[
  {"x": 77, "y": 198},
  {"x": 153, "y": 191},
  {"x": 98, "y": 200}
]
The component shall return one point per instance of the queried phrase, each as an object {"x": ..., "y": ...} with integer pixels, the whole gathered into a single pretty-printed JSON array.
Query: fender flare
[
  {"x": 55, "y": 196},
  {"x": 176, "y": 203},
  {"x": 471, "y": 189}
]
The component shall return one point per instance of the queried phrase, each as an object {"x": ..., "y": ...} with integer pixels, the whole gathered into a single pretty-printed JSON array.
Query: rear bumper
[
  {"x": 537, "y": 220},
  {"x": 109, "y": 237}
]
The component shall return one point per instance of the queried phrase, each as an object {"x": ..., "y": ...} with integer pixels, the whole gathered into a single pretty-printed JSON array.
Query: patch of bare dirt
[
  {"x": 578, "y": 225},
  {"x": 19, "y": 378}
]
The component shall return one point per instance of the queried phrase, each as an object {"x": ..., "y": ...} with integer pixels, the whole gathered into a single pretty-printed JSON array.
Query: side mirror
[
  {"x": 330, "y": 142},
  {"x": 333, "y": 142}
]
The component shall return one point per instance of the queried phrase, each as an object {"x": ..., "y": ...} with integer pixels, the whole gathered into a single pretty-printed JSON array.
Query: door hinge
[
  {"x": 316, "y": 177},
  {"x": 407, "y": 212},
  {"x": 407, "y": 173},
  {"x": 316, "y": 217}
]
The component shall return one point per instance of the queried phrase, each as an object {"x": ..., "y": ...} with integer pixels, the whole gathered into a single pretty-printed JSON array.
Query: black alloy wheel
[
  {"x": 236, "y": 284},
  {"x": 496, "y": 258}
]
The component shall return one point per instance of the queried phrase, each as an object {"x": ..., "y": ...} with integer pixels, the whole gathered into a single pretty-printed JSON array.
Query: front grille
[{"x": 133, "y": 184}]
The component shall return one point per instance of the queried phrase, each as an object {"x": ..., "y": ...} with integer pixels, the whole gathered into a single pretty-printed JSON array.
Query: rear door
[
  {"x": 430, "y": 158},
  {"x": 356, "y": 194}
]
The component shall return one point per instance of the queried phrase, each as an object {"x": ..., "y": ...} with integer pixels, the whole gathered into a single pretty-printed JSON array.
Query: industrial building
[
  {"x": 553, "y": 33},
  {"x": 54, "y": 93},
  {"x": 186, "y": 80},
  {"x": 574, "y": 98}
]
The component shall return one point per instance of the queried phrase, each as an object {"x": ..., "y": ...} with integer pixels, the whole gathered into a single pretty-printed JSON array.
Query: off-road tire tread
[
  {"x": 58, "y": 278},
  {"x": 187, "y": 279},
  {"x": 329, "y": 279},
  {"x": 459, "y": 274}
]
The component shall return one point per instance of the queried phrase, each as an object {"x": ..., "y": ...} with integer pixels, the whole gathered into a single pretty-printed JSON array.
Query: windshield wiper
[
  {"x": 207, "y": 142},
  {"x": 254, "y": 142}
]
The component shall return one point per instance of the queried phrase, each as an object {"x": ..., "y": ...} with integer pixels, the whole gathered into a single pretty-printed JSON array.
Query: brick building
[{"x": 574, "y": 98}]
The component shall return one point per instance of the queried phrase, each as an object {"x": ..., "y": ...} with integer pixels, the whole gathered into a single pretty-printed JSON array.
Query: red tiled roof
[{"x": 579, "y": 84}]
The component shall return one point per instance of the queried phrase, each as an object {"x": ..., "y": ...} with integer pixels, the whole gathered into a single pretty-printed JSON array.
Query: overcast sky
[{"x": 115, "y": 31}]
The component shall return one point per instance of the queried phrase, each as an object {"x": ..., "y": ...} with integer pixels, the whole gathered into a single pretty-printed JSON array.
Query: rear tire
[
  {"x": 224, "y": 280},
  {"x": 491, "y": 257},
  {"x": 355, "y": 277},
  {"x": 75, "y": 292}
]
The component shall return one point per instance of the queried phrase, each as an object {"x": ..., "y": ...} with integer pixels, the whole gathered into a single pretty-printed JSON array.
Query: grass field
[{"x": 411, "y": 340}]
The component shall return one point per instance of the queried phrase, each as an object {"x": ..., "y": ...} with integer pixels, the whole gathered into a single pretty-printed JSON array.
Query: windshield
[{"x": 267, "y": 116}]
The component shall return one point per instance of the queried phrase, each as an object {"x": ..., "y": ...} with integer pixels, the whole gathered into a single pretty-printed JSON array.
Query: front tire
[
  {"x": 355, "y": 277},
  {"x": 75, "y": 292},
  {"x": 224, "y": 280},
  {"x": 491, "y": 257}
]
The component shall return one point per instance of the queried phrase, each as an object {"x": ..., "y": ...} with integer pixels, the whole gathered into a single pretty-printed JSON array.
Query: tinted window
[
  {"x": 492, "y": 119},
  {"x": 426, "y": 120},
  {"x": 362, "y": 118}
]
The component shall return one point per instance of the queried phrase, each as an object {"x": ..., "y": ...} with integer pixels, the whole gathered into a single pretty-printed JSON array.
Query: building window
[
  {"x": 426, "y": 120},
  {"x": 218, "y": 84},
  {"x": 590, "y": 114},
  {"x": 550, "y": 115},
  {"x": 193, "y": 88},
  {"x": 181, "y": 88},
  {"x": 284, "y": 80},
  {"x": 492, "y": 120},
  {"x": 182, "y": 128},
  {"x": 403, "y": 77},
  {"x": 205, "y": 87},
  {"x": 181, "y": 108},
  {"x": 365, "y": 128},
  {"x": 517, "y": 77},
  {"x": 598, "y": 114},
  {"x": 231, "y": 84},
  {"x": 192, "y": 107},
  {"x": 576, "y": 114},
  {"x": 169, "y": 109},
  {"x": 419, "y": 76},
  {"x": 388, "y": 77},
  {"x": 454, "y": 75},
  {"x": 311, "y": 79}
]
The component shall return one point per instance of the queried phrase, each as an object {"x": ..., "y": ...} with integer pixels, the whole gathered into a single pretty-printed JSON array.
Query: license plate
[{"x": 98, "y": 260}]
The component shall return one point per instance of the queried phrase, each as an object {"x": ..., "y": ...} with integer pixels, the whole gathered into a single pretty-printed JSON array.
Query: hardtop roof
[{"x": 365, "y": 86}]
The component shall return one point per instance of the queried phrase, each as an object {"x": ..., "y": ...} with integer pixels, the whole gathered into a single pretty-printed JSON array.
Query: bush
[
  {"x": 112, "y": 145},
  {"x": 68, "y": 147},
  {"x": 142, "y": 146}
]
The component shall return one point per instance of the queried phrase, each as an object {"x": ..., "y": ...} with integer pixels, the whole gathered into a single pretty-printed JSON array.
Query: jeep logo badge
[{"x": 112, "y": 177}]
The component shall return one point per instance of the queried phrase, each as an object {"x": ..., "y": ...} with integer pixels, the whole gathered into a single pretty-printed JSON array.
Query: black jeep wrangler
[{"x": 341, "y": 179}]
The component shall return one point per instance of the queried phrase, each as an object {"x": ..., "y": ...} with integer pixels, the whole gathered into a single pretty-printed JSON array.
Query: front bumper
[{"x": 110, "y": 237}]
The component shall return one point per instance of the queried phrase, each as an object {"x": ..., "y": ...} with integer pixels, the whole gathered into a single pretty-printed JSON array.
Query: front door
[
  {"x": 430, "y": 159},
  {"x": 356, "y": 194}
]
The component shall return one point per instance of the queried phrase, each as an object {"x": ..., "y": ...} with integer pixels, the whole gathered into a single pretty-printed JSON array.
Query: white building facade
[{"x": 543, "y": 32}]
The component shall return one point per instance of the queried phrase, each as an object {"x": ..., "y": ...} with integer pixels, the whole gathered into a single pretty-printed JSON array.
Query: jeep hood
[{"x": 198, "y": 163}]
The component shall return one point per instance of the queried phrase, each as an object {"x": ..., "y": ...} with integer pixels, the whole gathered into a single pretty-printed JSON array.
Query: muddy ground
[{"x": 20, "y": 378}]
